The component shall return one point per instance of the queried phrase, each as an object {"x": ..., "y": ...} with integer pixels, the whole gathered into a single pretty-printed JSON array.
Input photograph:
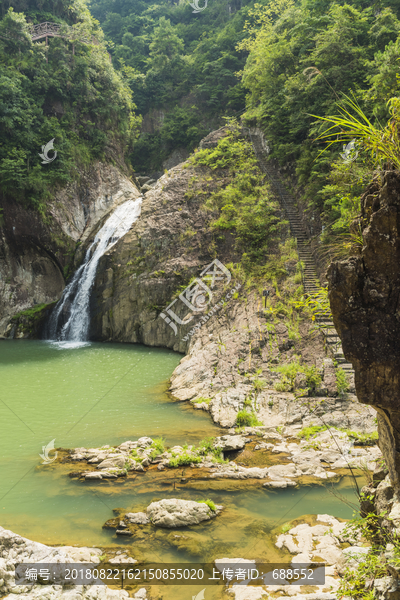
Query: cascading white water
[{"x": 76, "y": 296}]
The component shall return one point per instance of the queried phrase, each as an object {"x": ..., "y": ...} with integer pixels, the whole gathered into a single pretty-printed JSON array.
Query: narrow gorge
[
  {"x": 199, "y": 250},
  {"x": 138, "y": 256}
]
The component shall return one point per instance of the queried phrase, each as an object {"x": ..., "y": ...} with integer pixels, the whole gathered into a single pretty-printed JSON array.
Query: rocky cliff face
[
  {"x": 364, "y": 293},
  {"x": 232, "y": 347},
  {"x": 170, "y": 243},
  {"x": 37, "y": 251}
]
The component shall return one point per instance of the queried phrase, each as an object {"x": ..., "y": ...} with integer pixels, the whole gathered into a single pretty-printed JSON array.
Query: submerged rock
[
  {"x": 124, "y": 532},
  {"x": 279, "y": 483}
]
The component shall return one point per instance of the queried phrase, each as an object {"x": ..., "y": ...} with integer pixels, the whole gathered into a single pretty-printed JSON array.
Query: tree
[{"x": 165, "y": 45}]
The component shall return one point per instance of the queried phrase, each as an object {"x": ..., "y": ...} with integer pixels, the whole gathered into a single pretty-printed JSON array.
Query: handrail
[{"x": 48, "y": 29}]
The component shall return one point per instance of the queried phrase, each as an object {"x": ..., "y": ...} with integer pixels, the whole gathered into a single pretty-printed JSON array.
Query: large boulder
[
  {"x": 173, "y": 512},
  {"x": 144, "y": 442},
  {"x": 228, "y": 443}
]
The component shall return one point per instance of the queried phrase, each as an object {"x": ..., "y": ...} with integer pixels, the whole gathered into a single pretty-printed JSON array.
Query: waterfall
[{"x": 70, "y": 318}]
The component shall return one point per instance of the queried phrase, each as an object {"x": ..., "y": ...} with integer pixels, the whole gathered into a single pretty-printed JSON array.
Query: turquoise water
[
  {"x": 89, "y": 395},
  {"x": 95, "y": 394}
]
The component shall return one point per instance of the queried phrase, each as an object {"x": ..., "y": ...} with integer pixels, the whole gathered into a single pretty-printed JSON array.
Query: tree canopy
[{"x": 52, "y": 92}]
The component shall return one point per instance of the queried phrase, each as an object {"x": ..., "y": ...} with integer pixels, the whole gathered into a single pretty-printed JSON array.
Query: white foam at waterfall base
[
  {"x": 68, "y": 345},
  {"x": 77, "y": 292}
]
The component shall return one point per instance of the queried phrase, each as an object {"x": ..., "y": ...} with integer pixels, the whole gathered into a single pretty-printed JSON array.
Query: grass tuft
[{"x": 209, "y": 503}]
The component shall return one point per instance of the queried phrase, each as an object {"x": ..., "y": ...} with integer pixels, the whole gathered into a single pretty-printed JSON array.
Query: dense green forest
[
  {"x": 182, "y": 63},
  {"x": 278, "y": 64},
  {"x": 305, "y": 63},
  {"x": 68, "y": 90}
]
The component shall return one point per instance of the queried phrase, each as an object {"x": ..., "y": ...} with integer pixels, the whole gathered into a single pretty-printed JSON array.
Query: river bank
[
  {"x": 319, "y": 539},
  {"x": 276, "y": 456},
  {"x": 246, "y": 364}
]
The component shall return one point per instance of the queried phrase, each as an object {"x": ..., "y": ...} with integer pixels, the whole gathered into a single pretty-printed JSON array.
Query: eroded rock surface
[
  {"x": 173, "y": 512},
  {"x": 364, "y": 293},
  {"x": 35, "y": 253},
  {"x": 138, "y": 277},
  {"x": 230, "y": 344},
  {"x": 228, "y": 443},
  {"x": 321, "y": 540},
  {"x": 323, "y": 456},
  {"x": 15, "y": 549},
  {"x": 170, "y": 513}
]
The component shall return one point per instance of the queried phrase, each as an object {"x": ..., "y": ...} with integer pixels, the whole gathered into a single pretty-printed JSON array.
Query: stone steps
[{"x": 309, "y": 271}]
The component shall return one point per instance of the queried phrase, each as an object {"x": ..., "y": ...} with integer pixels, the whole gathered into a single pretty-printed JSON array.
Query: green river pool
[{"x": 94, "y": 394}]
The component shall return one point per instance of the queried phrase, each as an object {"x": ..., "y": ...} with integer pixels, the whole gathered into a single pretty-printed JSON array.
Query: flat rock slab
[
  {"x": 279, "y": 484},
  {"x": 241, "y": 472},
  {"x": 93, "y": 475},
  {"x": 288, "y": 470},
  {"x": 117, "y": 461}
]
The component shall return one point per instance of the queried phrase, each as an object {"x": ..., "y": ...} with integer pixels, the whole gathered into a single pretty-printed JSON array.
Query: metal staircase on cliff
[{"x": 311, "y": 282}]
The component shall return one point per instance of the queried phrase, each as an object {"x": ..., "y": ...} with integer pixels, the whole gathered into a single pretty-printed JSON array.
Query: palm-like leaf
[{"x": 382, "y": 143}]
